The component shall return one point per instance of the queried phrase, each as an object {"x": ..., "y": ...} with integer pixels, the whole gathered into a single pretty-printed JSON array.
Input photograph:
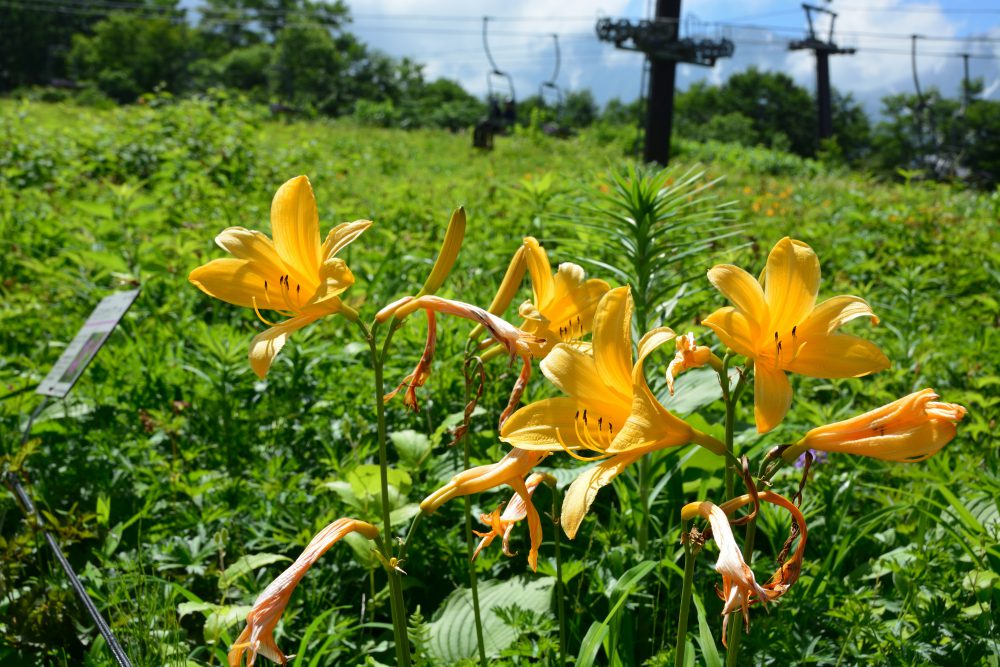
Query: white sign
[{"x": 85, "y": 345}]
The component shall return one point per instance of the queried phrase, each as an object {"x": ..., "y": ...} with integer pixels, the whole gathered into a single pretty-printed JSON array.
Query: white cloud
[{"x": 445, "y": 36}]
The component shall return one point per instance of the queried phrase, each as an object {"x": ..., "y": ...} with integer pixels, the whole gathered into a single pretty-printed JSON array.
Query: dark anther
[
  {"x": 600, "y": 423},
  {"x": 584, "y": 416},
  {"x": 265, "y": 285},
  {"x": 794, "y": 328},
  {"x": 298, "y": 289},
  {"x": 779, "y": 346},
  {"x": 775, "y": 336},
  {"x": 610, "y": 430},
  {"x": 577, "y": 415}
]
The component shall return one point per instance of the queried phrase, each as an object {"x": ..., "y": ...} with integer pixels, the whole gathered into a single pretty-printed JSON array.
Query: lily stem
[
  {"x": 470, "y": 549},
  {"x": 682, "y": 618},
  {"x": 735, "y": 636},
  {"x": 397, "y": 605},
  {"x": 560, "y": 586}
]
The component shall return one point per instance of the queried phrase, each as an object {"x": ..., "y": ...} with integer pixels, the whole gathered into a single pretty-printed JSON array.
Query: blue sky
[{"x": 446, "y": 36}]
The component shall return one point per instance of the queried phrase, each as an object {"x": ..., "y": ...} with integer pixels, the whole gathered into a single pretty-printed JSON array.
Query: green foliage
[{"x": 177, "y": 475}]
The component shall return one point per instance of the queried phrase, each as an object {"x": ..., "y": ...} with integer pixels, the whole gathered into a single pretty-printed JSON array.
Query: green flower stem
[
  {"x": 409, "y": 534},
  {"x": 735, "y": 636},
  {"x": 560, "y": 586},
  {"x": 682, "y": 618},
  {"x": 397, "y": 604},
  {"x": 470, "y": 548},
  {"x": 644, "y": 464}
]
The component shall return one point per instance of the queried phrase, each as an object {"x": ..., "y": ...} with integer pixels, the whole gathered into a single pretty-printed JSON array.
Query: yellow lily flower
[
  {"x": 503, "y": 524},
  {"x": 777, "y": 323},
  {"x": 258, "y": 635},
  {"x": 294, "y": 275},
  {"x": 912, "y": 428},
  {"x": 610, "y": 411},
  {"x": 564, "y": 303},
  {"x": 509, "y": 470}
]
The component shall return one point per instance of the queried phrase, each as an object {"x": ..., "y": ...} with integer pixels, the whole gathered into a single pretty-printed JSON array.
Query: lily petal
[
  {"x": 834, "y": 313},
  {"x": 335, "y": 277},
  {"x": 295, "y": 226},
  {"x": 612, "y": 340},
  {"x": 550, "y": 425},
  {"x": 733, "y": 329},
  {"x": 650, "y": 425},
  {"x": 772, "y": 396},
  {"x": 744, "y": 291},
  {"x": 791, "y": 282},
  {"x": 581, "y": 493},
  {"x": 576, "y": 374},
  {"x": 341, "y": 235},
  {"x": 254, "y": 246},
  {"x": 540, "y": 271},
  {"x": 265, "y": 346},
  {"x": 235, "y": 281},
  {"x": 838, "y": 356}
]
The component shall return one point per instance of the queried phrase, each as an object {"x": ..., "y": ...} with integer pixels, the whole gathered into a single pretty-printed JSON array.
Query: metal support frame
[
  {"x": 660, "y": 40},
  {"x": 823, "y": 49}
]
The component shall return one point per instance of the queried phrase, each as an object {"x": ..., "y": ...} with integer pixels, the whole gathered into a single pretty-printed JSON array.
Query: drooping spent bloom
[
  {"x": 790, "y": 569},
  {"x": 689, "y": 355},
  {"x": 912, "y": 428},
  {"x": 294, "y": 275},
  {"x": 513, "y": 340},
  {"x": 510, "y": 470},
  {"x": 563, "y": 306},
  {"x": 739, "y": 586},
  {"x": 609, "y": 415},
  {"x": 258, "y": 635},
  {"x": 503, "y": 523},
  {"x": 777, "y": 323}
]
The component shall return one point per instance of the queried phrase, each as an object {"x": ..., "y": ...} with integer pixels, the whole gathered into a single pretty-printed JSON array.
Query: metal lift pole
[{"x": 662, "y": 77}]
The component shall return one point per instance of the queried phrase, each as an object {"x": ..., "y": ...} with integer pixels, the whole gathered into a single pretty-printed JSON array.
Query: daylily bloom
[
  {"x": 689, "y": 355},
  {"x": 503, "y": 524},
  {"x": 509, "y": 470},
  {"x": 563, "y": 306},
  {"x": 739, "y": 585},
  {"x": 912, "y": 428},
  {"x": 258, "y": 635},
  {"x": 610, "y": 411},
  {"x": 777, "y": 324},
  {"x": 294, "y": 275}
]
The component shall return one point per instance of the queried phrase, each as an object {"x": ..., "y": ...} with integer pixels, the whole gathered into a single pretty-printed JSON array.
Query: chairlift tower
[
  {"x": 660, "y": 40},
  {"x": 823, "y": 50}
]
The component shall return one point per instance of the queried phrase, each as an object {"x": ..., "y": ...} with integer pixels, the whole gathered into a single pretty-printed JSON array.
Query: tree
[{"x": 130, "y": 54}]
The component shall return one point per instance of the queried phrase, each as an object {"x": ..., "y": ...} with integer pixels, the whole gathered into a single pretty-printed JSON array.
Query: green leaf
[
  {"x": 695, "y": 389},
  {"x": 452, "y": 634},
  {"x": 412, "y": 447},
  {"x": 709, "y": 651},
  {"x": 246, "y": 565},
  {"x": 619, "y": 593}
]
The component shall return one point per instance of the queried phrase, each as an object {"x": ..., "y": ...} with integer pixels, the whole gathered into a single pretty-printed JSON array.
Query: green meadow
[{"x": 180, "y": 484}]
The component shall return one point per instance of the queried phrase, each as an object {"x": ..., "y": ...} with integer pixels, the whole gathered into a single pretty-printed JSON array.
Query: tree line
[{"x": 299, "y": 56}]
